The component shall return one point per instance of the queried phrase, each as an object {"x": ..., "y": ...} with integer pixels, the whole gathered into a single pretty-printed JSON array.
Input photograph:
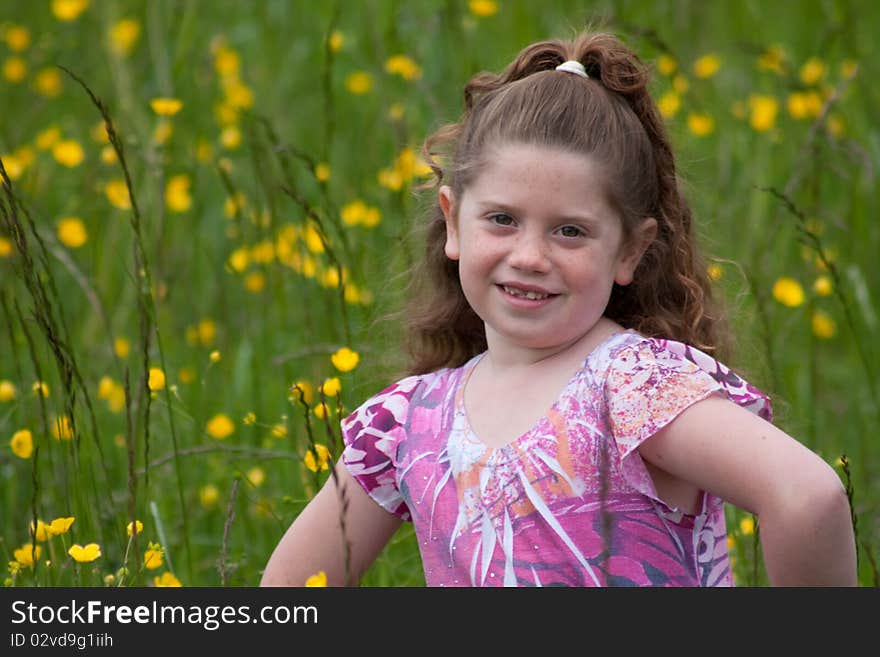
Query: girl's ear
[
  {"x": 631, "y": 252},
  {"x": 447, "y": 205}
]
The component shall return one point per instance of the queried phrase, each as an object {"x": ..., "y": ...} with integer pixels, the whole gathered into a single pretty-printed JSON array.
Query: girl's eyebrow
[{"x": 501, "y": 206}]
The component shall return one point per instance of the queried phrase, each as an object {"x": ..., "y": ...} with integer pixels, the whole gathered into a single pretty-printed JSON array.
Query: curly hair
[{"x": 609, "y": 117}]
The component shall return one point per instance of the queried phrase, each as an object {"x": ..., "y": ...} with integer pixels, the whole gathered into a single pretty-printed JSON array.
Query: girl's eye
[
  {"x": 571, "y": 231},
  {"x": 501, "y": 219}
]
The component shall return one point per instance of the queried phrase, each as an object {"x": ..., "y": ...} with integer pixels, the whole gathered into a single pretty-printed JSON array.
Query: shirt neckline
[{"x": 468, "y": 429}]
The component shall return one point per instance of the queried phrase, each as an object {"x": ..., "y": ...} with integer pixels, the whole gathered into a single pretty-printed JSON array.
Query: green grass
[{"x": 767, "y": 202}]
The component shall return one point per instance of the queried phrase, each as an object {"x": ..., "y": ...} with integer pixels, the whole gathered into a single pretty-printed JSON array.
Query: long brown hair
[{"x": 609, "y": 117}]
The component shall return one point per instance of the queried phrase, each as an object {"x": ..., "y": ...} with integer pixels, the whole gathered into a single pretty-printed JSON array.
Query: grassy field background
[{"x": 169, "y": 319}]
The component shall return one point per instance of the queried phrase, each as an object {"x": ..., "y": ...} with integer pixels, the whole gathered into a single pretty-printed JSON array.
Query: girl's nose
[{"x": 529, "y": 253}]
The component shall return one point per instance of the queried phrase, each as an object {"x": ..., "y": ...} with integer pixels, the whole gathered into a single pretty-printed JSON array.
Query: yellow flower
[
  {"x": 255, "y": 282},
  {"x": 167, "y": 579},
  {"x": 68, "y": 152},
  {"x": 256, "y": 476},
  {"x": 391, "y": 179},
  {"x": 186, "y": 375},
  {"x": 22, "y": 444},
  {"x": 715, "y": 271},
  {"x": 215, "y": 356},
  {"x": 84, "y": 554},
  {"x": 153, "y": 557},
  {"x": 124, "y": 35},
  {"x": 322, "y": 172},
  {"x": 357, "y": 212},
  {"x": 483, "y": 8},
  {"x": 230, "y": 137},
  {"x": 804, "y": 104},
  {"x": 136, "y": 526},
  {"x": 680, "y": 84},
  {"x": 773, "y": 59},
  {"x": 156, "y": 380},
  {"x": 747, "y": 526},
  {"x": 321, "y": 462},
  {"x": 8, "y": 391},
  {"x": 812, "y": 71},
  {"x": 121, "y": 347},
  {"x": 312, "y": 238},
  {"x": 788, "y": 292},
  {"x": 208, "y": 495},
  {"x": 41, "y": 388},
  {"x": 219, "y": 426},
  {"x": 26, "y": 554},
  {"x": 177, "y": 196},
  {"x": 234, "y": 204},
  {"x": 403, "y": 66},
  {"x": 5, "y": 246},
  {"x": 69, "y": 10},
  {"x": 824, "y": 326},
  {"x": 301, "y": 390},
  {"x": 17, "y": 38},
  {"x": 238, "y": 94},
  {"x": 60, "y": 525},
  {"x": 14, "y": 166},
  {"x": 335, "y": 41},
  {"x": 331, "y": 387},
  {"x": 117, "y": 194},
  {"x": 43, "y": 532},
  {"x": 395, "y": 112},
  {"x": 669, "y": 104},
  {"x": 48, "y": 82},
  {"x": 162, "y": 132},
  {"x": 116, "y": 399},
  {"x": 345, "y": 360},
  {"x": 822, "y": 286},
  {"x": 279, "y": 430},
  {"x": 105, "y": 387},
  {"x": 72, "y": 232},
  {"x": 14, "y": 69},
  {"x": 238, "y": 260},
  {"x": 666, "y": 64},
  {"x": 707, "y": 66},
  {"x": 359, "y": 82},
  {"x": 701, "y": 124},
  {"x": 320, "y": 578},
  {"x": 321, "y": 410},
  {"x": 226, "y": 61},
  {"x": 48, "y": 138},
  {"x": 62, "y": 428},
  {"x": 763, "y": 112}
]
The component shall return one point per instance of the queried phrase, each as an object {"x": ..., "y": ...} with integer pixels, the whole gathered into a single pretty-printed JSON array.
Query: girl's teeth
[{"x": 523, "y": 294}]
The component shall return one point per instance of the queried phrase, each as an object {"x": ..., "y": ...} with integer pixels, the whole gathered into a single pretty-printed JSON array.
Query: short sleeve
[
  {"x": 652, "y": 382},
  {"x": 372, "y": 435}
]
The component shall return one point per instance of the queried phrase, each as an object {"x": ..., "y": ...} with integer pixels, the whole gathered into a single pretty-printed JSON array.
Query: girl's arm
[
  {"x": 806, "y": 529},
  {"x": 314, "y": 541}
]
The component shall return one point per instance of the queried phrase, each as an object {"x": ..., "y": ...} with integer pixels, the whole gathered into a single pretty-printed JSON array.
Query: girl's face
[{"x": 538, "y": 246}]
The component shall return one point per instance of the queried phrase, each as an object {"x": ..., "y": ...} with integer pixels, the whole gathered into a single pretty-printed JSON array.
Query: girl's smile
[{"x": 539, "y": 247}]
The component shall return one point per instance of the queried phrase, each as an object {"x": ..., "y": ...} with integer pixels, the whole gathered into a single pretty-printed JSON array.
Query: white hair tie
[{"x": 573, "y": 66}]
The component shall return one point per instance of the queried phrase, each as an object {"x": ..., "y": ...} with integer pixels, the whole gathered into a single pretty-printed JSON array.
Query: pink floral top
[{"x": 568, "y": 503}]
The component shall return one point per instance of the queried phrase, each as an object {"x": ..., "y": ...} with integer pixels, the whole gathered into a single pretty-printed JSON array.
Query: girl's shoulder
[
  {"x": 632, "y": 357},
  {"x": 391, "y": 405}
]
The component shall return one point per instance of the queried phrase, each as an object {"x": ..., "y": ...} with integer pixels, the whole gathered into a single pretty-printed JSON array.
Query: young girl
[{"x": 566, "y": 422}]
